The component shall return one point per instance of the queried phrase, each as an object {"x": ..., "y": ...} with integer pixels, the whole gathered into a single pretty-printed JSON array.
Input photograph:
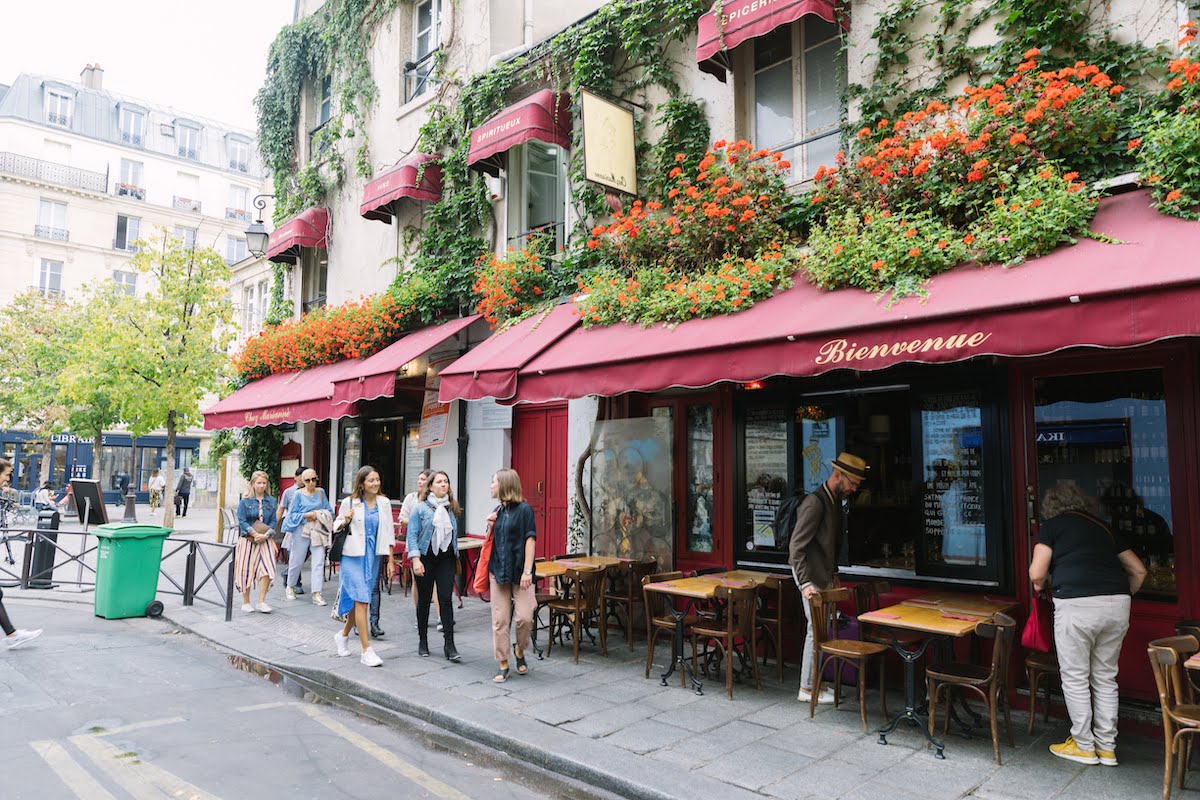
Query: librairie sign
[{"x": 609, "y": 157}]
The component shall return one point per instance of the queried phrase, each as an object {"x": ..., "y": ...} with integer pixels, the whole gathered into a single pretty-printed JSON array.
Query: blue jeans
[{"x": 375, "y": 592}]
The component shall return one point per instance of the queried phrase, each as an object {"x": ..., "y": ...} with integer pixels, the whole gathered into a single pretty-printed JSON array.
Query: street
[{"x": 135, "y": 709}]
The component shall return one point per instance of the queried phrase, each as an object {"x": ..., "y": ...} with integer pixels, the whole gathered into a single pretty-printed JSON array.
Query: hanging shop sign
[{"x": 609, "y": 155}]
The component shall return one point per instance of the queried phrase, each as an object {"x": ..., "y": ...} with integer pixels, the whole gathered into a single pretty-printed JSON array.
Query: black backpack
[{"x": 785, "y": 520}]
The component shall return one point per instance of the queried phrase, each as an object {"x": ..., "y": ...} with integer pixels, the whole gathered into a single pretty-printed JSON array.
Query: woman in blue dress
[{"x": 371, "y": 535}]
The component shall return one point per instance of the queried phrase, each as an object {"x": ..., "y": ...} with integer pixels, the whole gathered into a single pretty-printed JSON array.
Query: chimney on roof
[{"x": 92, "y": 77}]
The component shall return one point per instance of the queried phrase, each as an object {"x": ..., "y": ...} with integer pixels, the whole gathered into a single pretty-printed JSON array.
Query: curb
[{"x": 591, "y": 761}]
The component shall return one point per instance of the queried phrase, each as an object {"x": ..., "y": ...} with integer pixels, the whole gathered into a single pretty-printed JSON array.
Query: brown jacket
[{"x": 815, "y": 540}]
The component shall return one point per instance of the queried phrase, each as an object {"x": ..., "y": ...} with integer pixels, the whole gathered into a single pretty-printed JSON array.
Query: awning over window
[
  {"x": 309, "y": 228},
  {"x": 376, "y": 376},
  {"x": 742, "y": 20},
  {"x": 1091, "y": 294},
  {"x": 405, "y": 179},
  {"x": 545, "y": 116},
  {"x": 304, "y": 396},
  {"x": 490, "y": 369}
]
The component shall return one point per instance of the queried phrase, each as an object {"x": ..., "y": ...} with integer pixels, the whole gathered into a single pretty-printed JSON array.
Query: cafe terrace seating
[
  {"x": 1039, "y": 667},
  {"x": 989, "y": 682},
  {"x": 626, "y": 589},
  {"x": 773, "y": 616},
  {"x": 583, "y": 600},
  {"x": 828, "y": 649},
  {"x": 739, "y": 606},
  {"x": 1180, "y": 714},
  {"x": 659, "y": 619}
]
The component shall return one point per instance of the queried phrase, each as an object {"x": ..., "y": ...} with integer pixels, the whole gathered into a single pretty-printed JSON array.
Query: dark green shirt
[{"x": 514, "y": 524}]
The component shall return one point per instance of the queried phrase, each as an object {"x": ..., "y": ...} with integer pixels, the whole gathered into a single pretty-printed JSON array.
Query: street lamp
[{"x": 256, "y": 234}]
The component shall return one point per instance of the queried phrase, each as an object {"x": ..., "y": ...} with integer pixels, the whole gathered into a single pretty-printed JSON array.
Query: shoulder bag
[
  {"x": 482, "y": 581},
  {"x": 339, "y": 541},
  {"x": 1038, "y": 634}
]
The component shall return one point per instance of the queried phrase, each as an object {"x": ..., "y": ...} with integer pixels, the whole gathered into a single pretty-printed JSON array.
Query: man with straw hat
[{"x": 815, "y": 543}]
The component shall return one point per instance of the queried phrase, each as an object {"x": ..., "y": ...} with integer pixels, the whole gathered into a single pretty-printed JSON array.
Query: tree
[
  {"x": 34, "y": 331},
  {"x": 166, "y": 345}
]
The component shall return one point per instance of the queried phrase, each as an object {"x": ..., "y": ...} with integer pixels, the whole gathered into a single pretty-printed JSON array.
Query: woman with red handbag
[
  {"x": 510, "y": 570},
  {"x": 1094, "y": 576}
]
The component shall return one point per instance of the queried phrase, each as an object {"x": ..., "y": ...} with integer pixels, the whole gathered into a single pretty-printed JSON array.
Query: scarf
[{"x": 443, "y": 526}]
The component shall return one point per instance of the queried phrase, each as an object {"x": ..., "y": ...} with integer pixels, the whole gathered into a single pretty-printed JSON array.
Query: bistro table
[
  {"x": 941, "y": 616},
  {"x": 557, "y": 569},
  {"x": 691, "y": 591},
  {"x": 465, "y": 545}
]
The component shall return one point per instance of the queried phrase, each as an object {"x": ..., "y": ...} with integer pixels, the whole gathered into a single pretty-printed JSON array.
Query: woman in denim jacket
[
  {"x": 433, "y": 547},
  {"x": 256, "y": 551}
]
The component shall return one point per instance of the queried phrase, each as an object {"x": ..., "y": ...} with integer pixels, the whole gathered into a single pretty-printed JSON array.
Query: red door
[{"x": 540, "y": 458}]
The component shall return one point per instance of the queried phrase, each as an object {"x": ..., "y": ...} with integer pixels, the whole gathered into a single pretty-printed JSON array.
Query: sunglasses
[{"x": 310, "y": 480}]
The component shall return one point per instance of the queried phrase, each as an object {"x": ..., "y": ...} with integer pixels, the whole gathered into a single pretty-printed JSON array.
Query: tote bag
[
  {"x": 482, "y": 581},
  {"x": 1039, "y": 632}
]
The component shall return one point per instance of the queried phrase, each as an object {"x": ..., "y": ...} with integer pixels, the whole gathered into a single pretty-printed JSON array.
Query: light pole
[{"x": 256, "y": 234}]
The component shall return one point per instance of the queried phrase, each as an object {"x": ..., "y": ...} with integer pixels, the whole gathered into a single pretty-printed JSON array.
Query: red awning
[
  {"x": 376, "y": 376},
  {"x": 404, "y": 179},
  {"x": 304, "y": 396},
  {"x": 490, "y": 369},
  {"x": 309, "y": 228},
  {"x": 742, "y": 20},
  {"x": 545, "y": 116},
  {"x": 1091, "y": 294}
]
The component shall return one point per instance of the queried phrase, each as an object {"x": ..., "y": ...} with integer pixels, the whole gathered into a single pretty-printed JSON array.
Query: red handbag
[
  {"x": 1039, "y": 628},
  {"x": 482, "y": 581}
]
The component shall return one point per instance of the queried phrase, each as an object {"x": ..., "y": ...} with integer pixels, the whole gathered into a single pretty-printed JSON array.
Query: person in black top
[
  {"x": 1091, "y": 573},
  {"x": 514, "y": 539}
]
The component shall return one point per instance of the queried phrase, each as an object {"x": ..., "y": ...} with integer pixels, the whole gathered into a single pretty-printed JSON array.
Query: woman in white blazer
[{"x": 369, "y": 515}]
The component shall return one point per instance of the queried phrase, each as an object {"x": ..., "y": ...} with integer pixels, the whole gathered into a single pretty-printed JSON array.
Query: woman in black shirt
[
  {"x": 1094, "y": 575},
  {"x": 514, "y": 538}
]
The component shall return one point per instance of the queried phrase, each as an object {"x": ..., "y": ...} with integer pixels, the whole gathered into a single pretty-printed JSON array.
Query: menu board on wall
[
  {"x": 952, "y": 444},
  {"x": 766, "y": 459},
  {"x": 414, "y": 459}
]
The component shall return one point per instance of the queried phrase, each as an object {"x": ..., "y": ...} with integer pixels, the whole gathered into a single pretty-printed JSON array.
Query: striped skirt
[{"x": 254, "y": 561}]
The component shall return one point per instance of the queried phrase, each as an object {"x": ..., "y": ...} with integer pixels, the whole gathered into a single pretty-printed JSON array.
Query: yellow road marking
[
  {"x": 70, "y": 772},
  {"x": 137, "y": 726},
  {"x": 141, "y": 780},
  {"x": 412, "y": 773}
]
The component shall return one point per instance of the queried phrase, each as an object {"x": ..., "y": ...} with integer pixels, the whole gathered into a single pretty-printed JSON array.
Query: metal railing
[
  {"x": 129, "y": 137},
  {"x": 129, "y": 190},
  {"x": 58, "y": 119},
  {"x": 802, "y": 171},
  {"x": 418, "y": 76},
  {"x": 314, "y": 304},
  {"x": 56, "y": 234},
  {"x": 185, "y": 204},
  {"x": 188, "y": 152},
  {"x": 208, "y": 567},
  {"x": 548, "y": 235},
  {"x": 50, "y": 172},
  {"x": 127, "y": 247},
  {"x": 237, "y": 213},
  {"x": 238, "y": 166}
]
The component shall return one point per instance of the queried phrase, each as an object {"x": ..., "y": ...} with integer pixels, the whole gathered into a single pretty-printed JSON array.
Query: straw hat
[{"x": 852, "y": 465}]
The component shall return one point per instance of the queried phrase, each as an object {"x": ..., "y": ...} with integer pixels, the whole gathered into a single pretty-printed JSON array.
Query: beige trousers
[{"x": 505, "y": 598}]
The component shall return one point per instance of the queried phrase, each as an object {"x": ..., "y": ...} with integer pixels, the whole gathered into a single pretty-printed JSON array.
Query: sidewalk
[{"x": 603, "y": 722}]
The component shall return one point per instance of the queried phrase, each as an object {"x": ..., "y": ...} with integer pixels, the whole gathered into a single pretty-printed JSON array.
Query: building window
[
  {"x": 112, "y": 466},
  {"x": 130, "y": 183},
  {"x": 50, "y": 278},
  {"x": 326, "y": 100},
  {"x": 52, "y": 221},
  {"x": 264, "y": 302},
  {"x": 316, "y": 141},
  {"x": 133, "y": 127},
  {"x": 239, "y": 155},
  {"x": 418, "y": 73},
  {"x": 794, "y": 90},
  {"x": 239, "y": 202},
  {"x": 188, "y": 235},
  {"x": 247, "y": 309},
  {"x": 126, "y": 281},
  {"x": 314, "y": 277},
  {"x": 235, "y": 249},
  {"x": 128, "y": 232},
  {"x": 537, "y": 204},
  {"x": 188, "y": 139},
  {"x": 58, "y": 109}
]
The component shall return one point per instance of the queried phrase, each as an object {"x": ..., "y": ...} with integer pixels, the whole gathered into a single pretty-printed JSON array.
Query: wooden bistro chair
[
  {"x": 740, "y": 609},
  {"x": 659, "y": 619},
  {"x": 584, "y": 598},
  {"x": 626, "y": 580},
  {"x": 775, "y": 613},
  {"x": 1180, "y": 714},
  {"x": 989, "y": 682},
  {"x": 828, "y": 649},
  {"x": 1039, "y": 667}
]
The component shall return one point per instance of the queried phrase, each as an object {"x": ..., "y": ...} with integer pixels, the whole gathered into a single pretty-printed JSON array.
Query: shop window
[
  {"x": 112, "y": 464},
  {"x": 700, "y": 479},
  {"x": 1107, "y": 432},
  {"x": 152, "y": 459}
]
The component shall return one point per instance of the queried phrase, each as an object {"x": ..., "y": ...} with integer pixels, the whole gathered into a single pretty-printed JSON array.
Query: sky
[{"x": 206, "y": 57}]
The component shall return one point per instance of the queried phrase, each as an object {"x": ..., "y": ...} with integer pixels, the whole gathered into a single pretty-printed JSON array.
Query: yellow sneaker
[
  {"x": 1107, "y": 757},
  {"x": 1072, "y": 752}
]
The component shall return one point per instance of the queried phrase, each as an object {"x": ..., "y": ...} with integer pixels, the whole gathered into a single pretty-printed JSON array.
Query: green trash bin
[{"x": 127, "y": 569}]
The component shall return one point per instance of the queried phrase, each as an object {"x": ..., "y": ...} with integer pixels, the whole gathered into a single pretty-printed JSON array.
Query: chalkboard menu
[
  {"x": 952, "y": 510},
  {"x": 766, "y": 459}
]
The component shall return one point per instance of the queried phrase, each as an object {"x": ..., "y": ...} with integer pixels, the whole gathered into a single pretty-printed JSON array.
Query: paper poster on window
[
  {"x": 435, "y": 419},
  {"x": 764, "y": 528},
  {"x": 951, "y": 440}
]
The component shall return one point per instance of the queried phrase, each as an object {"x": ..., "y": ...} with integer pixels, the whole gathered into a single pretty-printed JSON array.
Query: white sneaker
[
  {"x": 369, "y": 658},
  {"x": 247, "y": 608},
  {"x": 342, "y": 644},
  {"x": 264, "y": 608},
  {"x": 290, "y": 594},
  {"x": 318, "y": 600},
  {"x": 20, "y": 637},
  {"x": 824, "y": 698}
]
